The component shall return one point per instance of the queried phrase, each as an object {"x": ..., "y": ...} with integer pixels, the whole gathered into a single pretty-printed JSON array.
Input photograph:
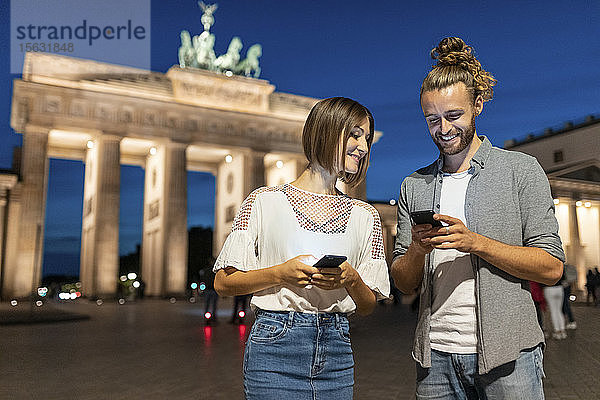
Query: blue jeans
[
  {"x": 455, "y": 377},
  {"x": 291, "y": 355}
]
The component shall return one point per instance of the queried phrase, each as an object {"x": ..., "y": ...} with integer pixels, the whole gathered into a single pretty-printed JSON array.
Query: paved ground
[{"x": 158, "y": 350}]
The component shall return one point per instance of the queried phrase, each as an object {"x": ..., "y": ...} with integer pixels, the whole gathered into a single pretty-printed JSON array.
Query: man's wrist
[
  {"x": 479, "y": 244},
  {"x": 417, "y": 249}
]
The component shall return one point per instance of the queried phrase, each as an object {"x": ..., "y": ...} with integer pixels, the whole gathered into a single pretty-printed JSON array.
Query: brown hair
[
  {"x": 456, "y": 63},
  {"x": 327, "y": 120}
]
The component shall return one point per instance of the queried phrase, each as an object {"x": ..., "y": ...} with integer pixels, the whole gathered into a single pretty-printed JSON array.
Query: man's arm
[
  {"x": 407, "y": 269},
  {"x": 529, "y": 263},
  {"x": 409, "y": 251}
]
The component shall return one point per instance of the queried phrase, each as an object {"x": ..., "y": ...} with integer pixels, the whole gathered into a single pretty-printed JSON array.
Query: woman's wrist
[{"x": 354, "y": 280}]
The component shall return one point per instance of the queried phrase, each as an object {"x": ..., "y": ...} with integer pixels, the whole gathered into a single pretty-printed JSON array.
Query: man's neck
[{"x": 461, "y": 161}]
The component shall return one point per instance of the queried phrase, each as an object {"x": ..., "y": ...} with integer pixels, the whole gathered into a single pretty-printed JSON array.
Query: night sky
[{"x": 545, "y": 55}]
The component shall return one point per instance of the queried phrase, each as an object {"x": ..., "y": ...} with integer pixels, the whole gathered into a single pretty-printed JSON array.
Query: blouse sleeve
[
  {"x": 239, "y": 250},
  {"x": 372, "y": 267}
]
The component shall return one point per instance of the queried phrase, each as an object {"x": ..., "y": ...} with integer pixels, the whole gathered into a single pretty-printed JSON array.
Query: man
[{"x": 477, "y": 334}]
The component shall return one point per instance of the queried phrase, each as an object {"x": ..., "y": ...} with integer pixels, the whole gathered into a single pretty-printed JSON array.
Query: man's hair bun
[
  {"x": 453, "y": 51},
  {"x": 456, "y": 63}
]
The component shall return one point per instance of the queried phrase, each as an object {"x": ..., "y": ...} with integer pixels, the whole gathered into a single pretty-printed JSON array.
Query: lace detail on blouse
[
  {"x": 377, "y": 250},
  {"x": 315, "y": 212},
  {"x": 240, "y": 222},
  {"x": 319, "y": 212}
]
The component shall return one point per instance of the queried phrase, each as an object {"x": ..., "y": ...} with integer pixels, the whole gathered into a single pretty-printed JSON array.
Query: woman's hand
[
  {"x": 295, "y": 272},
  {"x": 343, "y": 276}
]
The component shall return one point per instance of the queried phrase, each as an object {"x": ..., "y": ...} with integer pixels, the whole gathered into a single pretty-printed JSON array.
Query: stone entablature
[{"x": 71, "y": 109}]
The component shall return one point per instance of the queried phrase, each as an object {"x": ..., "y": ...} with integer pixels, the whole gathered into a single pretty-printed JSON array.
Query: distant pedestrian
[
  {"x": 590, "y": 285},
  {"x": 537, "y": 294},
  {"x": 554, "y": 297},
  {"x": 596, "y": 281},
  {"x": 240, "y": 303},
  {"x": 211, "y": 297}
]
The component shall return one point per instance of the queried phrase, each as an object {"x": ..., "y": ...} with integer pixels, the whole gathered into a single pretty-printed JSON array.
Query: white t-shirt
[
  {"x": 453, "y": 319},
  {"x": 278, "y": 223}
]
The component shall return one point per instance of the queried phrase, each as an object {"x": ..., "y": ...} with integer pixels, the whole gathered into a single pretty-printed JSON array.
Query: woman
[{"x": 299, "y": 345}]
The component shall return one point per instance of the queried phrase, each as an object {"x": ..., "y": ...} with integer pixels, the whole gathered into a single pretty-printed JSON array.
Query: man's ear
[{"x": 478, "y": 106}]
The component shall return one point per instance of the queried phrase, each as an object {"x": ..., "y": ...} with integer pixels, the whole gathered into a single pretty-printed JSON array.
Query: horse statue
[
  {"x": 205, "y": 55},
  {"x": 187, "y": 54},
  {"x": 250, "y": 63},
  {"x": 229, "y": 60}
]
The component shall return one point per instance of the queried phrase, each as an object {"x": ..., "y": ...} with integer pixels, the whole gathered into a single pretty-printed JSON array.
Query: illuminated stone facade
[{"x": 571, "y": 158}]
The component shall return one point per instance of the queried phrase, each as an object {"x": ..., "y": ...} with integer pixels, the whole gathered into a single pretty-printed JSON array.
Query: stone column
[
  {"x": 176, "y": 239},
  {"x": 234, "y": 182},
  {"x": 165, "y": 239},
  {"x": 3, "y": 225},
  {"x": 34, "y": 177},
  {"x": 12, "y": 215},
  {"x": 100, "y": 223},
  {"x": 254, "y": 171},
  {"x": 575, "y": 251}
]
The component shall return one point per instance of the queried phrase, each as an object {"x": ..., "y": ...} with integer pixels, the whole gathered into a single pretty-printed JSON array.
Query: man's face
[{"x": 450, "y": 115}]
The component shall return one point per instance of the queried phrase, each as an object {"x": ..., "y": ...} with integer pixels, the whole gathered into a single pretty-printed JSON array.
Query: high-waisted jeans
[{"x": 292, "y": 355}]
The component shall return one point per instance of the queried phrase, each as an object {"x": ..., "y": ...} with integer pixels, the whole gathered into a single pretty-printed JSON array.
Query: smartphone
[
  {"x": 330, "y": 261},
  {"x": 424, "y": 217}
]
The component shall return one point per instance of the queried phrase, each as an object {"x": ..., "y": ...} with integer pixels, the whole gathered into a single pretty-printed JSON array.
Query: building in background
[{"x": 570, "y": 155}]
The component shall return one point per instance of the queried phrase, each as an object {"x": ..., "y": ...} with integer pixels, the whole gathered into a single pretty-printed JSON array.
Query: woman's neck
[{"x": 317, "y": 180}]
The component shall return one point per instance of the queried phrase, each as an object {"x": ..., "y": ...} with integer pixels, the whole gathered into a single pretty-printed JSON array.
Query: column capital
[
  {"x": 256, "y": 152},
  {"x": 36, "y": 129},
  {"x": 176, "y": 145},
  {"x": 108, "y": 137}
]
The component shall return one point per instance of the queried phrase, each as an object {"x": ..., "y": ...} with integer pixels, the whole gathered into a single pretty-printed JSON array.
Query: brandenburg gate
[{"x": 237, "y": 128}]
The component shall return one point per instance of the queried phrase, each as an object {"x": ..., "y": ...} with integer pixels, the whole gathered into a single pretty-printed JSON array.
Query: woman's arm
[
  {"x": 234, "y": 282},
  {"x": 345, "y": 276}
]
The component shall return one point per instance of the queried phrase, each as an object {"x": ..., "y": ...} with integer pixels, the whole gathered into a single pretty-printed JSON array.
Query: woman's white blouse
[{"x": 278, "y": 223}]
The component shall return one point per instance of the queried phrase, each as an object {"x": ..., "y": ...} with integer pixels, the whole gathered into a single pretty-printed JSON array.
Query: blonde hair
[
  {"x": 322, "y": 132},
  {"x": 456, "y": 63}
]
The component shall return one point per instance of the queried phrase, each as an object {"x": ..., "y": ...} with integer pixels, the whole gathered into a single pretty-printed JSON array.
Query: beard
[{"x": 466, "y": 137}]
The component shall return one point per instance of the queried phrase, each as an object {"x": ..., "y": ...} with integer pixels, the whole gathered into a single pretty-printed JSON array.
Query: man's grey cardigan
[{"x": 508, "y": 199}]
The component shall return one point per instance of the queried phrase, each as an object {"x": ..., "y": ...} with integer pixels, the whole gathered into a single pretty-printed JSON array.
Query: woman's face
[{"x": 356, "y": 147}]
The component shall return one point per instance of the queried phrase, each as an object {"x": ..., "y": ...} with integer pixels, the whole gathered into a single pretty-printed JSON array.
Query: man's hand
[
  {"x": 454, "y": 236},
  {"x": 335, "y": 278},
  {"x": 420, "y": 238}
]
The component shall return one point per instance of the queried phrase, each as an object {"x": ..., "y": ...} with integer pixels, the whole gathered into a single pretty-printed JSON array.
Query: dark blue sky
[{"x": 545, "y": 55}]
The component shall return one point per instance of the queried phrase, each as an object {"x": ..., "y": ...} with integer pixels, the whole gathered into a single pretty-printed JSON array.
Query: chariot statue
[
  {"x": 250, "y": 63},
  {"x": 229, "y": 60},
  {"x": 187, "y": 54},
  {"x": 198, "y": 52},
  {"x": 205, "y": 55}
]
